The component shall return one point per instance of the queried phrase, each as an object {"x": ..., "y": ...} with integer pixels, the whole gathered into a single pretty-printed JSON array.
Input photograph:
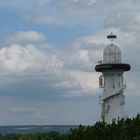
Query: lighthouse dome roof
[
  {"x": 112, "y": 54},
  {"x": 112, "y": 49}
]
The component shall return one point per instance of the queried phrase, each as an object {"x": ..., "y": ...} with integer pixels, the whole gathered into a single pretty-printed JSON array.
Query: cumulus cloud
[
  {"x": 26, "y": 36},
  {"x": 23, "y": 66},
  {"x": 78, "y": 60},
  {"x": 27, "y": 64},
  {"x": 17, "y": 58}
]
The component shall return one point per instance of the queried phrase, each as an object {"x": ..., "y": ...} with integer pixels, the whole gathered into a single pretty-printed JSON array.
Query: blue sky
[{"x": 49, "y": 49}]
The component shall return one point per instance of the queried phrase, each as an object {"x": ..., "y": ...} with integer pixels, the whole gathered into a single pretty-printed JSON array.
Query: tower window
[
  {"x": 118, "y": 84},
  {"x": 113, "y": 86}
]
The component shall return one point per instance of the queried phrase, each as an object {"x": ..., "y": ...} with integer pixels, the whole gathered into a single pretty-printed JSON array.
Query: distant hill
[{"x": 6, "y": 130}]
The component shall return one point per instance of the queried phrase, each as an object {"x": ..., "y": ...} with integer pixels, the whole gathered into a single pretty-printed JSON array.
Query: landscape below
[
  {"x": 31, "y": 129},
  {"x": 124, "y": 129}
]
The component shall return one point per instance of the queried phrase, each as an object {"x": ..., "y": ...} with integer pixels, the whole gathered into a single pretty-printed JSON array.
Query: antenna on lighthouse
[{"x": 111, "y": 37}]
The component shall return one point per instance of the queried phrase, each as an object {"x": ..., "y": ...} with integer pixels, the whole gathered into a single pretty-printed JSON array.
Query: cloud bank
[{"x": 48, "y": 81}]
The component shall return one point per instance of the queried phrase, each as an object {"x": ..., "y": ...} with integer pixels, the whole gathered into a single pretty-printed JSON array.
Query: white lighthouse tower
[{"x": 111, "y": 80}]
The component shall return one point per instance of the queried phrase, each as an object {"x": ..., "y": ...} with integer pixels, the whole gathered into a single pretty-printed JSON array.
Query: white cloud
[
  {"x": 19, "y": 63},
  {"x": 72, "y": 75},
  {"x": 26, "y": 36},
  {"x": 18, "y": 59},
  {"x": 88, "y": 81}
]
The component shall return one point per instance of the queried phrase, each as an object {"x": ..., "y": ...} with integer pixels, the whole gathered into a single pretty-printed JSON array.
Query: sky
[{"x": 48, "y": 51}]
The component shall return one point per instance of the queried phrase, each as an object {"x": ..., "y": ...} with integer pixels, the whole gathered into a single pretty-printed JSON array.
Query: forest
[{"x": 124, "y": 129}]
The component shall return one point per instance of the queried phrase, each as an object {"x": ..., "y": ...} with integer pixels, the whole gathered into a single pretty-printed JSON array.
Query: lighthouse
[{"x": 111, "y": 80}]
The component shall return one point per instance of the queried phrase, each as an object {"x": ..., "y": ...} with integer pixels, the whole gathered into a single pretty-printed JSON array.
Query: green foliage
[{"x": 124, "y": 129}]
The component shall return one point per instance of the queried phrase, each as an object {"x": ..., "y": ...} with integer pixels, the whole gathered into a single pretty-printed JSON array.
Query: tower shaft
[{"x": 113, "y": 97}]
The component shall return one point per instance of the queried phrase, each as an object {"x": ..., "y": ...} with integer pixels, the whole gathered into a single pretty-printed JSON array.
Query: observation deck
[{"x": 112, "y": 67}]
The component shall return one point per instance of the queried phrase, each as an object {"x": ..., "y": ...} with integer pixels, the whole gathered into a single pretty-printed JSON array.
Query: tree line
[{"x": 124, "y": 129}]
